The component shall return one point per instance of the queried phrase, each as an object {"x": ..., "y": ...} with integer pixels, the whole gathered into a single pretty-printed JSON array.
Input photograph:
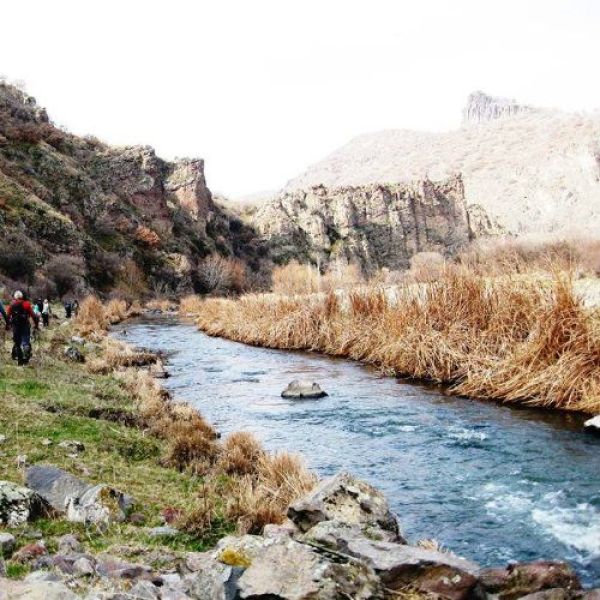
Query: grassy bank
[
  {"x": 520, "y": 338},
  {"x": 137, "y": 440}
]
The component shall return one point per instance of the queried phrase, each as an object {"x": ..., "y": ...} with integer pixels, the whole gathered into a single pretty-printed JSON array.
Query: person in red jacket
[{"x": 19, "y": 313}]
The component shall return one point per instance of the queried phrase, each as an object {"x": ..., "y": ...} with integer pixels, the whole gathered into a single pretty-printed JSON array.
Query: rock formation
[
  {"x": 530, "y": 171},
  {"x": 377, "y": 225},
  {"x": 481, "y": 108},
  {"x": 71, "y": 200}
]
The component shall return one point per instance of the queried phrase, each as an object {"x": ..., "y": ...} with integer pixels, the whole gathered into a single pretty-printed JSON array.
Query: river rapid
[{"x": 492, "y": 483}]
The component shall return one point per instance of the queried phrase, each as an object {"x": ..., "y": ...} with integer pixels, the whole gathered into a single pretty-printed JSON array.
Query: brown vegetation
[
  {"x": 516, "y": 339},
  {"x": 220, "y": 275}
]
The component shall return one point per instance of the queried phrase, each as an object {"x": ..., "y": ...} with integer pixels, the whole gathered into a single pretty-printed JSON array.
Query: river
[{"x": 491, "y": 482}]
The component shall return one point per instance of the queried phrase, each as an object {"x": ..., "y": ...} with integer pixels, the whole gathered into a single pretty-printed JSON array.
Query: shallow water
[{"x": 491, "y": 482}]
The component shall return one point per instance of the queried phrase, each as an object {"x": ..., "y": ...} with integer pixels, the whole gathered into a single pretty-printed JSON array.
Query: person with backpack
[
  {"x": 46, "y": 313},
  {"x": 19, "y": 312}
]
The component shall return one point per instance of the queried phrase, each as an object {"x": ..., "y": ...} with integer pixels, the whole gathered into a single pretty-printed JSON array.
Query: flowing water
[{"x": 491, "y": 482}]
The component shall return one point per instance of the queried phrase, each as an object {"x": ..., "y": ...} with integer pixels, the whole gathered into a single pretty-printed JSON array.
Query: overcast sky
[{"x": 262, "y": 88}]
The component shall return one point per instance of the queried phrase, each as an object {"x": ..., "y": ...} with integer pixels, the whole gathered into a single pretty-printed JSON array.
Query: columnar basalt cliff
[
  {"x": 116, "y": 214},
  {"x": 373, "y": 225}
]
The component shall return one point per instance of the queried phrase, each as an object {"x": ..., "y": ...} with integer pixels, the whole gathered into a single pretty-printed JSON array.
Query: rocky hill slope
[
  {"x": 377, "y": 225},
  {"x": 532, "y": 170},
  {"x": 76, "y": 213}
]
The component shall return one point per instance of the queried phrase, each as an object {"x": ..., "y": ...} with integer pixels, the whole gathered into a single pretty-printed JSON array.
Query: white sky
[{"x": 262, "y": 88}]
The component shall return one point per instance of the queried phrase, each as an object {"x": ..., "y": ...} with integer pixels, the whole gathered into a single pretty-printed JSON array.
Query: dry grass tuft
[
  {"x": 240, "y": 454},
  {"x": 263, "y": 497},
  {"x": 190, "y": 305},
  {"x": 518, "y": 338}
]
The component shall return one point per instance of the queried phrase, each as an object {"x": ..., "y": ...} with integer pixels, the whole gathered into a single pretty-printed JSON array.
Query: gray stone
[
  {"x": 3, "y": 438},
  {"x": 209, "y": 578},
  {"x": 77, "y": 339},
  {"x": 7, "y": 544},
  {"x": 83, "y": 567},
  {"x": 19, "y": 504},
  {"x": 115, "y": 568},
  {"x": 55, "y": 485},
  {"x": 303, "y": 389},
  {"x": 41, "y": 576},
  {"x": 239, "y": 551},
  {"x": 144, "y": 590},
  {"x": 164, "y": 531},
  {"x": 337, "y": 534},
  {"x": 46, "y": 590},
  {"x": 72, "y": 445},
  {"x": 69, "y": 543},
  {"x": 289, "y": 570},
  {"x": 99, "y": 505},
  {"x": 347, "y": 499},
  {"x": 74, "y": 354},
  {"x": 2, "y": 568}
]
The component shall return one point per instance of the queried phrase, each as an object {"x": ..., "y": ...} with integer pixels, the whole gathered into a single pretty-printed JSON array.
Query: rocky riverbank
[{"x": 340, "y": 541}]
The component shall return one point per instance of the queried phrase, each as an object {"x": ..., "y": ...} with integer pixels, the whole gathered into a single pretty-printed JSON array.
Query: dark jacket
[{"x": 3, "y": 312}]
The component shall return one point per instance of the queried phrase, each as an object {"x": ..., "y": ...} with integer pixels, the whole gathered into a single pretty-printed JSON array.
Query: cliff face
[
  {"x": 113, "y": 214},
  {"x": 531, "y": 170},
  {"x": 372, "y": 225}
]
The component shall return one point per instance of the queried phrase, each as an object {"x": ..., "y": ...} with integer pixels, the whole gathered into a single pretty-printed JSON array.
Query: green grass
[{"x": 52, "y": 399}]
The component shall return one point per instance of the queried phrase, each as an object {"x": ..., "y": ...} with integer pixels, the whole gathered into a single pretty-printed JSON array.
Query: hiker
[
  {"x": 40, "y": 305},
  {"x": 46, "y": 313},
  {"x": 68, "y": 309},
  {"x": 3, "y": 313},
  {"x": 19, "y": 313}
]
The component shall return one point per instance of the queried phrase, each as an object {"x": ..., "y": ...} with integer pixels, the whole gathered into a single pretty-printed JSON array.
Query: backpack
[{"x": 18, "y": 314}]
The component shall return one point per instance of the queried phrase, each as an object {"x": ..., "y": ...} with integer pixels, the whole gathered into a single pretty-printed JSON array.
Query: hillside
[
  {"x": 77, "y": 214},
  {"x": 531, "y": 169}
]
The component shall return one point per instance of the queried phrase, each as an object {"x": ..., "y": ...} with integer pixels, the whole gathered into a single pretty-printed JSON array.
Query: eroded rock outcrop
[
  {"x": 379, "y": 225},
  {"x": 481, "y": 107}
]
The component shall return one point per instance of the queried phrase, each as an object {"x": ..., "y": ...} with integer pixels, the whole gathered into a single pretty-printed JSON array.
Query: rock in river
[
  {"x": 303, "y": 389},
  {"x": 593, "y": 425}
]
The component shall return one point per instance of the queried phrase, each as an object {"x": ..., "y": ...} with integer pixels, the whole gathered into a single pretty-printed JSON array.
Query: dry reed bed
[{"x": 525, "y": 339}]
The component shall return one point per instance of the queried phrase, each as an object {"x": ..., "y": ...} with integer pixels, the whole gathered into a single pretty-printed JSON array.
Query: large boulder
[
  {"x": 289, "y": 570},
  {"x": 19, "y": 504},
  {"x": 523, "y": 579},
  {"x": 347, "y": 499},
  {"x": 55, "y": 485},
  {"x": 397, "y": 565},
  {"x": 99, "y": 505},
  {"x": 303, "y": 389}
]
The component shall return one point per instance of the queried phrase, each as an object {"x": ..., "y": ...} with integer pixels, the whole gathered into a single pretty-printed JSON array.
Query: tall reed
[{"x": 516, "y": 339}]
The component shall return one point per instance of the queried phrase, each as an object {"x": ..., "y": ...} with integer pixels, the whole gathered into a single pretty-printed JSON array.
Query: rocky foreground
[{"x": 339, "y": 542}]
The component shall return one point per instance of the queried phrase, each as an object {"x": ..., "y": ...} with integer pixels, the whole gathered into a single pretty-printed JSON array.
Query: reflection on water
[{"x": 491, "y": 482}]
